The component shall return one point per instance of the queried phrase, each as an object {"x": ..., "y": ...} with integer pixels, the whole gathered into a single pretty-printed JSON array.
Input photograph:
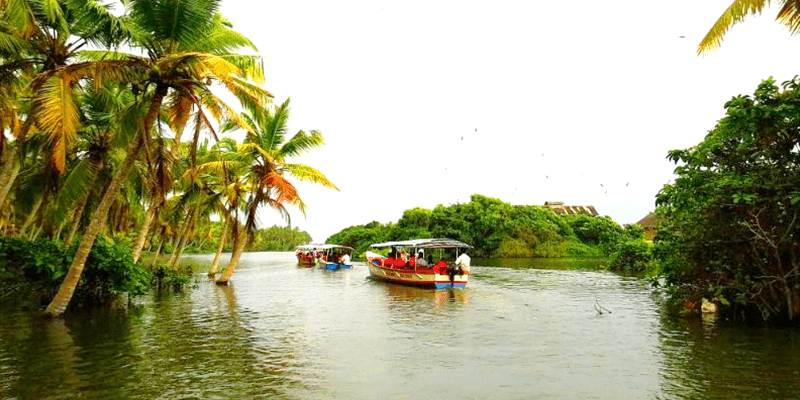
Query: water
[{"x": 285, "y": 332}]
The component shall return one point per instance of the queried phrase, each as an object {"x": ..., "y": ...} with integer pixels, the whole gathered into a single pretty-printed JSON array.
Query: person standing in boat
[
  {"x": 462, "y": 262},
  {"x": 346, "y": 258}
]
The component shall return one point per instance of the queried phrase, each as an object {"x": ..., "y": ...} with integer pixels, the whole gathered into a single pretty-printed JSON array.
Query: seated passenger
[
  {"x": 412, "y": 262},
  {"x": 420, "y": 261},
  {"x": 440, "y": 267}
]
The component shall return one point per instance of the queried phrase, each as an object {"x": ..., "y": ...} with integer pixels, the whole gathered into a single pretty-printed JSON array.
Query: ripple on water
[{"x": 279, "y": 331}]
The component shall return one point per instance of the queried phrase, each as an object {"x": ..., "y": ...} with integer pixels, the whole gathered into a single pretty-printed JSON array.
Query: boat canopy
[
  {"x": 424, "y": 244},
  {"x": 322, "y": 247}
]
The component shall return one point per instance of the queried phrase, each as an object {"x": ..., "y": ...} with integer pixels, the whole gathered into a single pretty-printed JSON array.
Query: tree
[
  {"x": 265, "y": 156},
  {"x": 189, "y": 47},
  {"x": 730, "y": 229},
  {"x": 788, "y": 16}
]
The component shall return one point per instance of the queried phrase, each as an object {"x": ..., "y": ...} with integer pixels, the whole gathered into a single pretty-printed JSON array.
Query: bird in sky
[{"x": 681, "y": 37}]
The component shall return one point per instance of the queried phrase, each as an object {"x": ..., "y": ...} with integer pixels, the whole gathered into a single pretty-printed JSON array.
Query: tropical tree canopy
[{"x": 730, "y": 220}]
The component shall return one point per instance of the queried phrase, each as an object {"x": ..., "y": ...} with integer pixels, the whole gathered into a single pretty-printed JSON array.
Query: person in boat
[
  {"x": 462, "y": 262},
  {"x": 412, "y": 262},
  {"x": 420, "y": 261},
  {"x": 345, "y": 259}
]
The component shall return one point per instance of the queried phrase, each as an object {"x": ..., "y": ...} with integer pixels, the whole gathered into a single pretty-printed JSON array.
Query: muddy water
[{"x": 521, "y": 330}]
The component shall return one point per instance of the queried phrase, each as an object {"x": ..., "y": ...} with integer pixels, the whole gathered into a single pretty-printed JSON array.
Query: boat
[
  {"x": 328, "y": 256},
  {"x": 400, "y": 264}
]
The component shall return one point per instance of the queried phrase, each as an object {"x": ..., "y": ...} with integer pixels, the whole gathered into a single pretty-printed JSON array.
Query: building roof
[
  {"x": 559, "y": 208},
  {"x": 649, "y": 221}
]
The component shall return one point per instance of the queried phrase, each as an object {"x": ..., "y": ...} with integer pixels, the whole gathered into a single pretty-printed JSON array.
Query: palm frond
[
  {"x": 302, "y": 142},
  {"x": 309, "y": 174},
  {"x": 736, "y": 12},
  {"x": 58, "y": 116},
  {"x": 179, "y": 109},
  {"x": 789, "y": 16}
]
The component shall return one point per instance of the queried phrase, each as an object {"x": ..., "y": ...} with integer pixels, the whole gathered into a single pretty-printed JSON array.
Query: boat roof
[
  {"x": 321, "y": 247},
  {"x": 441, "y": 243}
]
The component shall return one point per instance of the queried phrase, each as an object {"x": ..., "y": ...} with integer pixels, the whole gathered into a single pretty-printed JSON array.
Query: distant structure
[
  {"x": 650, "y": 225},
  {"x": 559, "y": 208}
]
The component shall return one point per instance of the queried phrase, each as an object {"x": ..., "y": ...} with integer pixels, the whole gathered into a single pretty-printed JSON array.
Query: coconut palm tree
[
  {"x": 189, "y": 47},
  {"x": 265, "y": 156},
  {"x": 788, "y": 16},
  {"x": 39, "y": 39}
]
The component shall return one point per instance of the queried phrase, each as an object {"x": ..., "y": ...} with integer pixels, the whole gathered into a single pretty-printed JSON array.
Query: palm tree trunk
[
  {"x": 238, "y": 248},
  {"x": 97, "y": 221},
  {"x": 76, "y": 220},
  {"x": 148, "y": 220},
  {"x": 184, "y": 242},
  {"x": 10, "y": 162},
  {"x": 180, "y": 241},
  {"x": 215, "y": 264},
  {"x": 10, "y": 173},
  {"x": 160, "y": 245},
  {"x": 31, "y": 216}
]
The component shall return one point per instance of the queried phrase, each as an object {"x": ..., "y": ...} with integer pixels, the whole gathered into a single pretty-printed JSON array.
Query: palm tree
[
  {"x": 265, "y": 157},
  {"x": 189, "y": 47},
  {"x": 788, "y": 16},
  {"x": 40, "y": 39}
]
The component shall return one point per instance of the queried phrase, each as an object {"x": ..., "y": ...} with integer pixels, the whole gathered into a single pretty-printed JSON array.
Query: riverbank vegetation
[
  {"x": 500, "y": 230},
  {"x": 730, "y": 225},
  {"x": 102, "y": 145}
]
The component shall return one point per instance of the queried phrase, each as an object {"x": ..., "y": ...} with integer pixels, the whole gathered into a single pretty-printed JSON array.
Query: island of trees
[{"x": 500, "y": 230}]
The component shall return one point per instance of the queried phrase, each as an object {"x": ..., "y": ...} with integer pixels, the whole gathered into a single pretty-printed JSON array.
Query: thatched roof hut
[{"x": 559, "y": 208}]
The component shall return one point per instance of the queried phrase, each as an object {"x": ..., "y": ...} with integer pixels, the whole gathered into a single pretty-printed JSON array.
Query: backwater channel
[{"x": 522, "y": 329}]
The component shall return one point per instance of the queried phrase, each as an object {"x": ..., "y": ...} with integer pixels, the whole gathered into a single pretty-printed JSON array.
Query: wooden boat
[
  {"x": 397, "y": 268},
  {"x": 328, "y": 256}
]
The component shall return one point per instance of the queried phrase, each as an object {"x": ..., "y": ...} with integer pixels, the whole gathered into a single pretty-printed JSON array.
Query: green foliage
[
  {"x": 631, "y": 256},
  {"x": 634, "y": 231},
  {"x": 37, "y": 269},
  {"x": 601, "y": 231},
  {"x": 165, "y": 277},
  {"x": 497, "y": 229},
  {"x": 729, "y": 227},
  {"x": 110, "y": 272},
  {"x": 578, "y": 249}
]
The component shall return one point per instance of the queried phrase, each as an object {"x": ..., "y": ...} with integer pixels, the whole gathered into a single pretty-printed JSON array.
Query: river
[{"x": 521, "y": 329}]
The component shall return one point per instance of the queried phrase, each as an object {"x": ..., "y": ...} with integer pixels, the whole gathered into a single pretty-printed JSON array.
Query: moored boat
[
  {"x": 328, "y": 256},
  {"x": 410, "y": 262}
]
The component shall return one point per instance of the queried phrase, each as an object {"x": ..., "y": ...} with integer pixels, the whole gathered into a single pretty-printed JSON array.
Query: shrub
[{"x": 631, "y": 256}]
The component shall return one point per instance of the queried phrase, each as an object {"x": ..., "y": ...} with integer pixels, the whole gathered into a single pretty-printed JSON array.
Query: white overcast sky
[{"x": 428, "y": 102}]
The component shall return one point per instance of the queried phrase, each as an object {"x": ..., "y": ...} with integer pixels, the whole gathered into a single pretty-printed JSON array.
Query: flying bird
[{"x": 681, "y": 37}]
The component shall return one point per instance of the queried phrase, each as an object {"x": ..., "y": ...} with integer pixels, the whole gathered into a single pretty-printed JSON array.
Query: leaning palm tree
[
  {"x": 788, "y": 16},
  {"x": 266, "y": 155},
  {"x": 189, "y": 47}
]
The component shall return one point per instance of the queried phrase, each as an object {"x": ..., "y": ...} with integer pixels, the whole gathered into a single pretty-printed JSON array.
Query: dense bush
[
  {"x": 631, "y": 256},
  {"x": 36, "y": 269}
]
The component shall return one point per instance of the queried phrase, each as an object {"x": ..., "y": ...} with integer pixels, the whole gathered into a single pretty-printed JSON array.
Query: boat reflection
[{"x": 441, "y": 298}]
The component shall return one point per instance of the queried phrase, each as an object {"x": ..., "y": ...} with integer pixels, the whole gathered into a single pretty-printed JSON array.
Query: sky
[{"x": 428, "y": 102}]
